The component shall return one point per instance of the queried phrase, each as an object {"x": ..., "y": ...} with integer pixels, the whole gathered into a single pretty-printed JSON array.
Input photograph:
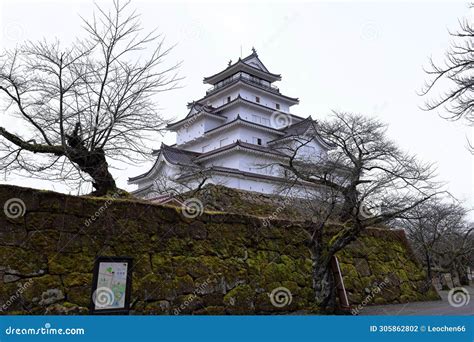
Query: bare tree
[
  {"x": 82, "y": 104},
  {"x": 433, "y": 228},
  {"x": 455, "y": 250},
  {"x": 365, "y": 180},
  {"x": 456, "y": 75},
  {"x": 191, "y": 181}
]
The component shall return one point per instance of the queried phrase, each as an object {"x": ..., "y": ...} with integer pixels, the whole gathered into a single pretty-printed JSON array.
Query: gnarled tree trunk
[
  {"x": 323, "y": 279},
  {"x": 324, "y": 287},
  {"x": 92, "y": 162},
  {"x": 95, "y": 165}
]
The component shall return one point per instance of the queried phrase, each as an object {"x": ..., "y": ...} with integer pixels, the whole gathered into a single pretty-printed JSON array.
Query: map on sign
[{"x": 111, "y": 285}]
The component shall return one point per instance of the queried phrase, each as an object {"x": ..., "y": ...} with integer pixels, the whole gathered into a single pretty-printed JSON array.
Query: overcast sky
[{"x": 360, "y": 57}]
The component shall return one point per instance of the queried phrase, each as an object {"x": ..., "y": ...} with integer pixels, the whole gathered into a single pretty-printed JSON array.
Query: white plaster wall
[
  {"x": 249, "y": 93},
  {"x": 217, "y": 140},
  {"x": 312, "y": 151},
  {"x": 246, "y": 161},
  {"x": 249, "y": 135},
  {"x": 220, "y": 99},
  {"x": 265, "y": 99},
  {"x": 196, "y": 128},
  {"x": 251, "y": 114},
  {"x": 190, "y": 131},
  {"x": 210, "y": 123},
  {"x": 230, "y": 160},
  {"x": 239, "y": 159},
  {"x": 232, "y": 181},
  {"x": 259, "y": 164},
  {"x": 229, "y": 136}
]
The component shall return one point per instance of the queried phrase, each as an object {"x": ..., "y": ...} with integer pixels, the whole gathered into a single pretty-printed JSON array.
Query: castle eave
[
  {"x": 177, "y": 125},
  {"x": 239, "y": 82},
  {"x": 240, "y": 99},
  {"x": 239, "y": 146},
  {"x": 173, "y": 156},
  {"x": 243, "y": 122},
  {"x": 241, "y": 66}
]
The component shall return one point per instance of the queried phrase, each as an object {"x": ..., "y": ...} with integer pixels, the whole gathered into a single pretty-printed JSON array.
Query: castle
[{"x": 234, "y": 136}]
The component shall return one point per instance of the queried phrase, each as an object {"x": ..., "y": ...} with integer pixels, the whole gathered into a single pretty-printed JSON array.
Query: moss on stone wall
[
  {"x": 214, "y": 264},
  {"x": 380, "y": 267}
]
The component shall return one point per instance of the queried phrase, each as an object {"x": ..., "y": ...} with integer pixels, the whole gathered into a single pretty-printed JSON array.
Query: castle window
[
  {"x": 257, "y": 141},
  {"x": 222, "y": 142},
  {"x": 228, "y": 99},
  {"x": 257, "y": 99},
  {"x": 277, "y": 105}
]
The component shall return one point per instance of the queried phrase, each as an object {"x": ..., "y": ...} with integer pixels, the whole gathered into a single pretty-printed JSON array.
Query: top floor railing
[{"x": 245, "y": 78}]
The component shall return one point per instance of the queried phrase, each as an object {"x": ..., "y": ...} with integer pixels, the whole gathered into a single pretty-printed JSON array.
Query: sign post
[{"x": 111, "y": 286}]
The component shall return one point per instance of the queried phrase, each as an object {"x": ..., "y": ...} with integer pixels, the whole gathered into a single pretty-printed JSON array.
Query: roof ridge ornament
[{"x": 254, "y": 51}]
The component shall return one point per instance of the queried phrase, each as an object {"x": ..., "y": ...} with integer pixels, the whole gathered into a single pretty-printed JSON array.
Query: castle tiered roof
[
  {"x": 237, "y": 124},
  {"x": 251, "y": 64},
  {"x": 189, "y": 159},
  {"x": 197, "y": 108}
]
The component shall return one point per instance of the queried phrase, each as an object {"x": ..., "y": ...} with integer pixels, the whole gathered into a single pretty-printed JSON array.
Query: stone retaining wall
[{"x": 216, "y": 263}]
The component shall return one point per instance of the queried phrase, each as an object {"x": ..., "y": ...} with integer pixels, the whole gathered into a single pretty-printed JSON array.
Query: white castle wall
[
  {"x": 195, "y": 128},
  {"x": 190, "y": 137},
  {"x": 229, "y": 136},
  {"x": 190, "y": 131},
  {"x": 249, "y": 94}
]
